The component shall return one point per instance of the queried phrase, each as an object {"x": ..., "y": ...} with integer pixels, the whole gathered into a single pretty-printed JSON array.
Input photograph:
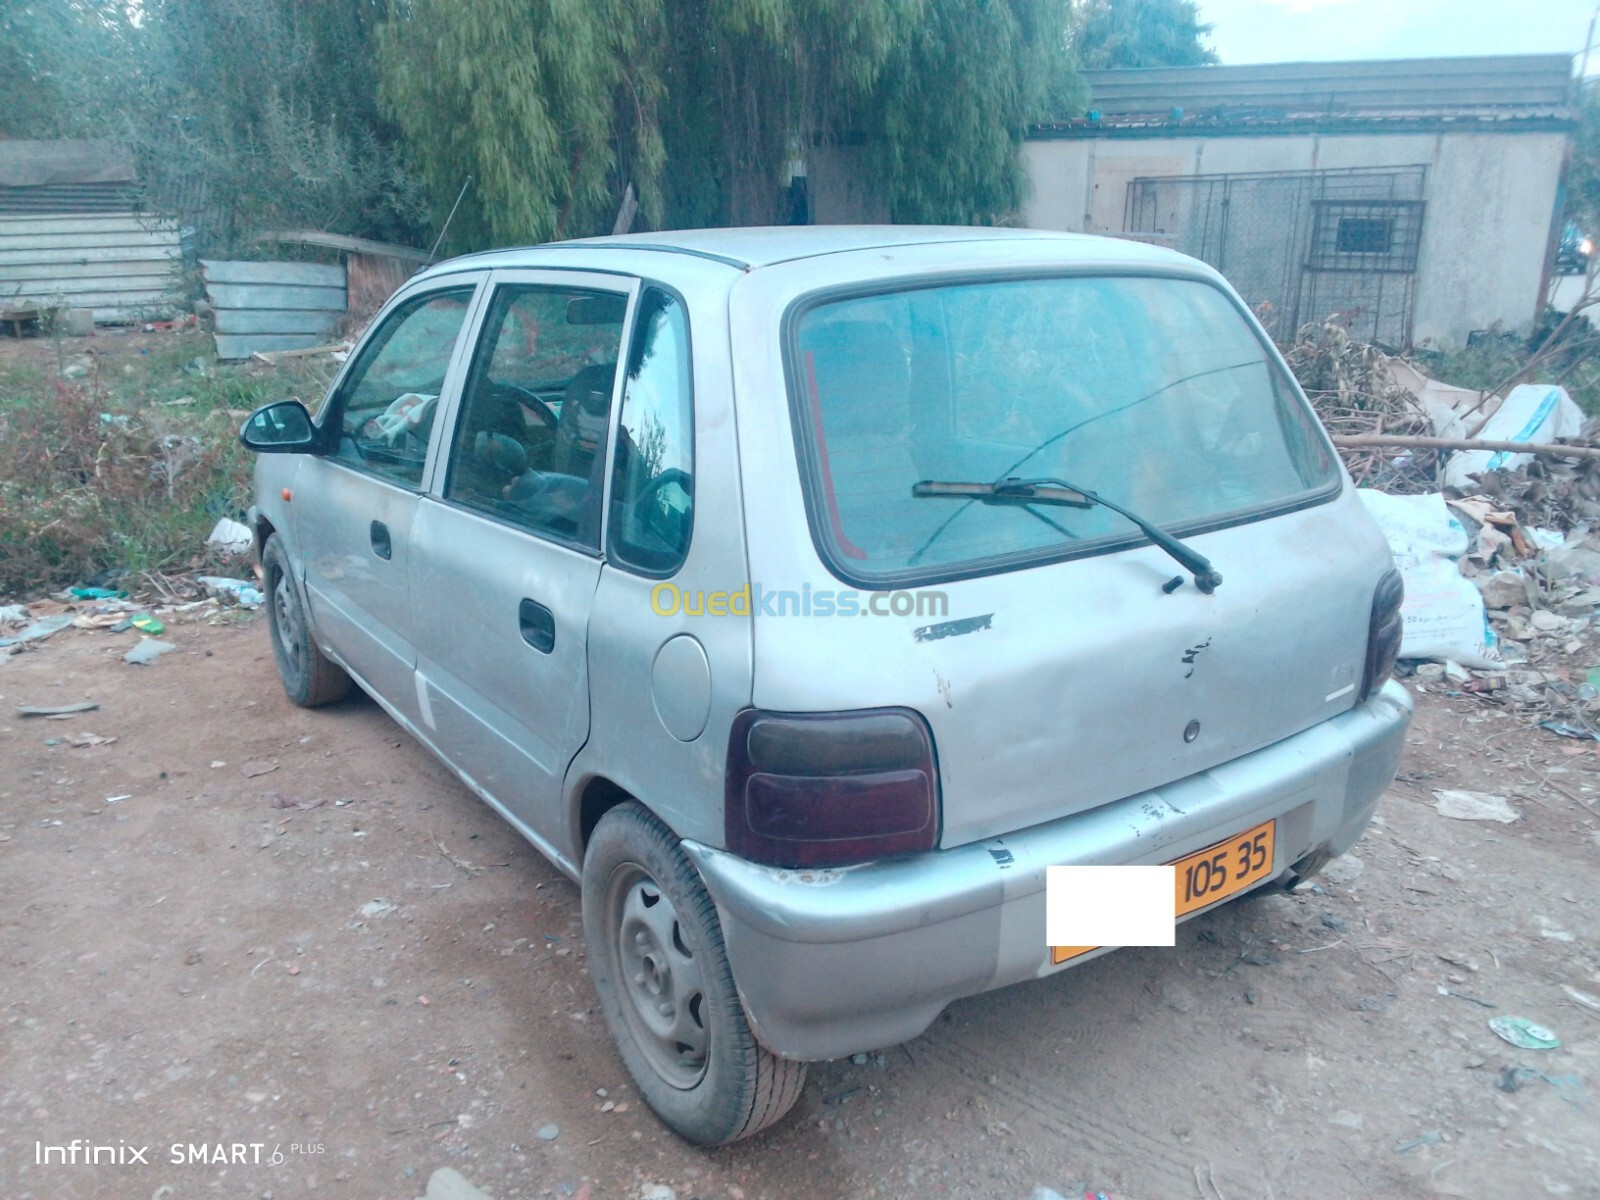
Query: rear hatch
[{"x": 1062, "y": 660}]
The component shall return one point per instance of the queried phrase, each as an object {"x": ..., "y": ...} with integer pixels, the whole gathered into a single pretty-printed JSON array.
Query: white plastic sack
[
  {"x": 1443, "y": 616},
  {"x": 233, "y": 536},
  {"x": 1533, "y": 412}
]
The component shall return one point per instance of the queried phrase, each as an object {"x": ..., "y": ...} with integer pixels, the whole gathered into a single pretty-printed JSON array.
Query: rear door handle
[
  {"x": 381, "y": 545},
  {"x": 538, "y": 625}
]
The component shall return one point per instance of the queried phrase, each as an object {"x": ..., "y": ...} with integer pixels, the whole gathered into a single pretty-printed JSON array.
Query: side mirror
[{"x": 283, "y": 427}]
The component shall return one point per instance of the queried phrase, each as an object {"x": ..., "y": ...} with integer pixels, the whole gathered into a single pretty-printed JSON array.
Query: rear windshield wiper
[{"x": 1070, "y": 495}]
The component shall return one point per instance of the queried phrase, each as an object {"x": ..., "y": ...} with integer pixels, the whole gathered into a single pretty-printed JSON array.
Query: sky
[{"x": 1253, "y": 31}]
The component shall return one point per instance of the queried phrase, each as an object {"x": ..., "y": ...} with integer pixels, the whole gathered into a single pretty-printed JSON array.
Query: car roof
[{"x": 750, "y": 248}]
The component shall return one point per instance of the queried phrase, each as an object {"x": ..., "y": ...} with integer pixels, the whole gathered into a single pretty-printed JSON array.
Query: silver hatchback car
[{"x": 805, "y": 593}]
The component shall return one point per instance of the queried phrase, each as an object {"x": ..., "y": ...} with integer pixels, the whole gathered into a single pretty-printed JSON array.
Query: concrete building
[{"x": 1419, "y": 199}]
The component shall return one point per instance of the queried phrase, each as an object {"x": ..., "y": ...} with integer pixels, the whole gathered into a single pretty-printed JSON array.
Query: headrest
[{"x": 591, "y": 387}]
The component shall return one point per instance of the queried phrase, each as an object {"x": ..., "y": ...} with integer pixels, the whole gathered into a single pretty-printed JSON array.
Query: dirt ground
[{"x": 350, "y": 962}]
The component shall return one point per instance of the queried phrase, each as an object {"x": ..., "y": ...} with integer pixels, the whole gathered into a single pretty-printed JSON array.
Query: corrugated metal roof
[
  {"x": 69, "y": 198},
  {"x": 1505, "y": 92}
]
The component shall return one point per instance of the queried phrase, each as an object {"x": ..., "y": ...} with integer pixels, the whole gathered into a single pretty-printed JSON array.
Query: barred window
[{"x": 1366, "y": 235}]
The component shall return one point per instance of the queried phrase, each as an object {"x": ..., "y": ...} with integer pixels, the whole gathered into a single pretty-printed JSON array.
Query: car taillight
[
  {"x": 830, "y": 789},
  {"x": 1383, "y": 632}
]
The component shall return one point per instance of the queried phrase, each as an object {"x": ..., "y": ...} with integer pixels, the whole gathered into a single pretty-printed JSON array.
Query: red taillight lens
[
  {"x": 1383, "y": 632},
  {"x": 830, "y": 789}
]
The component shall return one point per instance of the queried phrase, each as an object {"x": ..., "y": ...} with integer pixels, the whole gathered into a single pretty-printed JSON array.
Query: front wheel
[
  {"x": 666, "y": 989},
  {"x": 309, "y": 677}
]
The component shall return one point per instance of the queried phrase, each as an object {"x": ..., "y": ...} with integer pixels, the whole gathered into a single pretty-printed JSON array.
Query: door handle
[
  {"x": 538, "y": 625},
  {"x": 381, "y": 545}
]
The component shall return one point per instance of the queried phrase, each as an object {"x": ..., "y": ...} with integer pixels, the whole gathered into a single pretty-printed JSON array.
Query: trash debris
[
  {"x": 1523, "y": 1033},
  {"x": 1442, "y": 616},
  {"x": 548, "y": 1133},
  {"x": 42, "y": 628},
  {"x": 1481, "y": 1003},
  {"x": 232, "y": 536},
  {"x": 56, "y": 710},
  {"x": 97, "y": 593},
  {"x": 378, "y": 908},
  {"x": 1474, "y": 806},
  {"x": 1535, "y": 413},
  {"x": 241, "y": 591},
  {"x": 1581, "y": 998},
  {"x": 13, "y": 614},
  {"x": 257, "y": 767},
  {"x": 447, "y": 1183},
  {"x": 1567, "y": 729},
  {"x": 80, "y": 740},
  {"x": 1503, "y": 589},
  {"x": 1570, "y": 1086},
  {"x": 1428, "y": 1137},
  {"x": 145, "y": 623},
  {"x": 147, "y": 651}
]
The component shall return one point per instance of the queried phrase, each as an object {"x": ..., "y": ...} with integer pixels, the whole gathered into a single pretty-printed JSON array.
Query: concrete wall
[
  {"x": 1491, "y": 198},
  {"x": 838, "y": 195}
]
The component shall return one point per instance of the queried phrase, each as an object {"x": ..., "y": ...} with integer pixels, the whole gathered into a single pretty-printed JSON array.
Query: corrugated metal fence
[
  {"x": 121, "y": 265},
  {"x": 266, "y": 306}
]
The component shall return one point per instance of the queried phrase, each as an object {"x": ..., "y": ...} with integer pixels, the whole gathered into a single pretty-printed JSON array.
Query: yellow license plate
[{"x": 1209, "y": 875}]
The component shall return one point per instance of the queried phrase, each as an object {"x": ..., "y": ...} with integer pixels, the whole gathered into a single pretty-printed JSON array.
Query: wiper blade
[
  {"x": 1058, "y": 491},
  {"x": 1034, "y": 491}
]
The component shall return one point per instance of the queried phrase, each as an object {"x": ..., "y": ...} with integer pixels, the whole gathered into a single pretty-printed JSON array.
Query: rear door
[
  {"x": 354, "y": 508},
  {"x": 508, "y": 540}
]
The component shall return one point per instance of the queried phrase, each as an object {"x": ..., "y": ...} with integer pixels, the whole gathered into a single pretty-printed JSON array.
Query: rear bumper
[{"x": 832, "y": 962}]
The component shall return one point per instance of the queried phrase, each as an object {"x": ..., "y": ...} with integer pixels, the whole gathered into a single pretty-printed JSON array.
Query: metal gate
[{"x": 1300, "y": 246}]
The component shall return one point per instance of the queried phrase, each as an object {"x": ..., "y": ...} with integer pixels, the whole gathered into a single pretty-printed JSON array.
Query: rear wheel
[
  {"x": 309, "y": 678},
  {"x": 666, "y": 989}
]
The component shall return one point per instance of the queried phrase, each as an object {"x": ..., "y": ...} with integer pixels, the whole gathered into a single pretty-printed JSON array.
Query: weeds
[{"x": 126, "y": 468}]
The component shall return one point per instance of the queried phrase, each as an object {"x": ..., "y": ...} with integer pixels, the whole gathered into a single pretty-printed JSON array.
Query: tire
[
  {"x": 661, "y": 970},
  {"x": 309, "y": 678}
]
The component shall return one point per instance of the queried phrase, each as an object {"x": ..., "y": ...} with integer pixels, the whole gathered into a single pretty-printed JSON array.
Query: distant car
[{"x": 805, "y": 593}]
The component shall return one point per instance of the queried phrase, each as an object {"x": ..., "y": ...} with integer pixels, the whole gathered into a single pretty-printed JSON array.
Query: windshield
[{"x": 1154, "y": 392}]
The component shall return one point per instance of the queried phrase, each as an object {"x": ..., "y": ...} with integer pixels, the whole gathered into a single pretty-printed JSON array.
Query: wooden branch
[
  {"x": 338, "y": 241},
  {"x": 1351, "y": 441}
]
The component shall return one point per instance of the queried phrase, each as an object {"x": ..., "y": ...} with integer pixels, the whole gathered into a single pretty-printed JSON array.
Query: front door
[
  {"x": 508, "y": 541},
  {"x": 355, "y": 507}
]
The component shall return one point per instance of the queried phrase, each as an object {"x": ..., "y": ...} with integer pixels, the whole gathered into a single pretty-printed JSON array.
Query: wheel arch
[{"x": 597, "y": 796}]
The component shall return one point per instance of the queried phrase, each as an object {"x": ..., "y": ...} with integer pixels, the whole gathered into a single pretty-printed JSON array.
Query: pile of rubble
[{"x": 1522, "y": 527}]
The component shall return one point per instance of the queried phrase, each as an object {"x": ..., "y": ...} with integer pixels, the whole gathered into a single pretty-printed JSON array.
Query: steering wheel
[
  {"x": 521, "y": 395},
  {"x": 646, "y": 506}
]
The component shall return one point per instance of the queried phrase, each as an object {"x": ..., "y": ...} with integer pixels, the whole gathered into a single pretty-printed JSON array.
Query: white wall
[{"x": 1490, "y": 200}]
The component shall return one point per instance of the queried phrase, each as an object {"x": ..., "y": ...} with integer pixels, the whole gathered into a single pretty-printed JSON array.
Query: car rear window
[{"x": 1154, "y": 392}]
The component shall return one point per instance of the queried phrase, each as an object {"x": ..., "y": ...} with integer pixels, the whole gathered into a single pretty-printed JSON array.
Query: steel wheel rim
[
  {"x": 658, "y": 977},
  {"x": 290, "y": 631}
]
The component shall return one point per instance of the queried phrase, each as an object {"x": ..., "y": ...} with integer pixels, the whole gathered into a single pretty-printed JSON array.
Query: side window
[
  {"x": 385, "y": 408},
  {"x": 529, "y": 445},
  {"x": 652, "y": 486}
]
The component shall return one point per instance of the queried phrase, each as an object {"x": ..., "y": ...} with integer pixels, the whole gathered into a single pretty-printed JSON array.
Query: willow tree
[
  {"x": 552, "y": 108},
  {"x": 1142, "y": 33}
]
